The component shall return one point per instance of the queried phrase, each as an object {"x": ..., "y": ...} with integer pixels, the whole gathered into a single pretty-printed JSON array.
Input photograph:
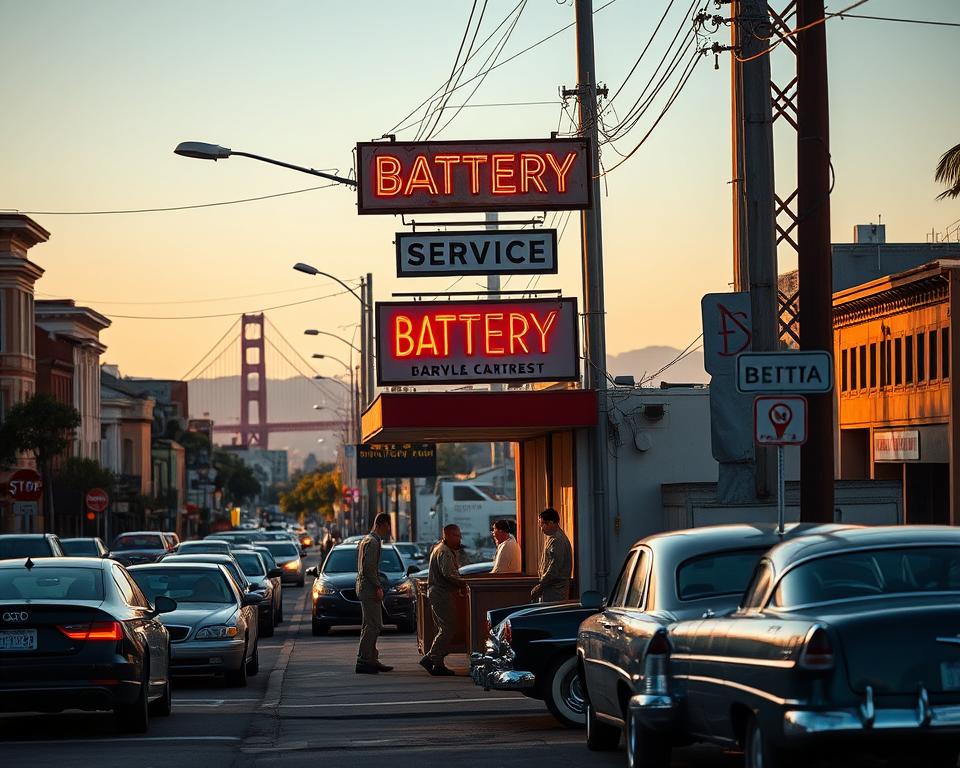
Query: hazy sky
[{"x": 96, "y": 94}]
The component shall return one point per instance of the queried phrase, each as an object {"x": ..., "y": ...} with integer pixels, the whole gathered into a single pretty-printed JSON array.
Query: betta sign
[
  {"x": 459, "y": 176},
  {"x": 477, "y": 341}
]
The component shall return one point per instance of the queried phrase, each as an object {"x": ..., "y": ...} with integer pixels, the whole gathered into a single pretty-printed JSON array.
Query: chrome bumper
[
  {"x": 495, "y": 671},
  {"x": 867, "y": 717},
  {"x": 653, "y": 711}
]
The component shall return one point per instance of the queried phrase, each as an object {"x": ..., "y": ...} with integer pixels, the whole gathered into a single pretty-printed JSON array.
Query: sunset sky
[{"x": 96, "y": 94}]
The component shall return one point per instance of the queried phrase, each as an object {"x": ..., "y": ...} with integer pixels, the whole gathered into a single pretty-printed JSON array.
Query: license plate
[
  {"x": 950, "y": 675},
  {"x": 18, "y": 640}
]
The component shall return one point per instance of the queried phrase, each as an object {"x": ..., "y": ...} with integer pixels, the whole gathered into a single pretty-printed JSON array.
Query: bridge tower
[{"x": 253, "y": 383}]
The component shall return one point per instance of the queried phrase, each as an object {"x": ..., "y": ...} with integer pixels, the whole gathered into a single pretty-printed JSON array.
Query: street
[{"x": 306, "y": 704}]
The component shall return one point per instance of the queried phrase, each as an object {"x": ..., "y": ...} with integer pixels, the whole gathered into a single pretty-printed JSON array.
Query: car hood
[
  {"x": 191, "y": 614},
  {"x": 533, "y": 611},
  {"x": 349, "y": 580}
]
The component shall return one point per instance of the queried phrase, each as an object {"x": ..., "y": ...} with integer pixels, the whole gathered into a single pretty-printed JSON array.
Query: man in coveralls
[
  {"x": 443, "y": 583},
  {"x": 370, "y": 592},
  {"x": 556, "y": 561}
]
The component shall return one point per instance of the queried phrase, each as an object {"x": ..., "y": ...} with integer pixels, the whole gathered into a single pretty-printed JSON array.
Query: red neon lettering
[
  {"x": 405, "y": 336},
  {"x": 490, "y": 333},
  {"x": 447, "y": 161},
  {"x": 531, "y": 169},
  {"x": 502, "y": 172},
  {"x": 516, "y": 335},
  {"x": 545, "y": 328},
  {"x": 474, "y": 162},
  {"x": 445, "y": 321},
  {"x": 469, "y": 320},
  {"x": 387, "y": 176},
  {"x": 426, "y": 330},
  {"x": 561, "y": 170},
  {"x": 420, "y": 177}
]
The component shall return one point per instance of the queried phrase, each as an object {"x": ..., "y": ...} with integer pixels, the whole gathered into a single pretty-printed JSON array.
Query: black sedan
[
  {"x": 255, "y": 570},
  {"x": 140, "y": 547},
  {"x": 22, "y": 545},
  {"x": 335, "y": 601},
  {"x": 77, "y": 633},
  {"x": 88, "y": 547}
]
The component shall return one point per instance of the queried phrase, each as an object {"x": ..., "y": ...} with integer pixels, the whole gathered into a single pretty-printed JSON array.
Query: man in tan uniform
[
  {"x": 556, "y": 561},
  {"x": 370, "y": 592},
  {"x": 443, "y": 584}
]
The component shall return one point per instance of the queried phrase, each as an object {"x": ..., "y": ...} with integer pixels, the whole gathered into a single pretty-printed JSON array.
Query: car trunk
[
  {"x": 39, "y": 636},
  {"x": 896, "y": 645}
]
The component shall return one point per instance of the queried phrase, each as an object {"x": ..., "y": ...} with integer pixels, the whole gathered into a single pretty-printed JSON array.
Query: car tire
[
  {"x": 601, "y": 737},
  {"x": 253, "y": 665},
  {"x": 563, "y": 692},
  {"x": 266, "y": 628},
  {"x": 135, "y": 718},
  {"x": 758, "y": 752},
  {"x": 646, "y": 748},
  {"x": 237, "y": 678},
  {"x": 164, "y": 705},
  {"x": 319, "y": 628}
]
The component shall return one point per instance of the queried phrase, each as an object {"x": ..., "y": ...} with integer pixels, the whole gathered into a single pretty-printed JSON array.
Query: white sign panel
[
  {"x": 896, "y": 445},
  {"x": 780, "y": 420},
  {"x": 727, "y": 330},
  {"x": 482, "y": 252},
  {"x": 789, "y": 372}
]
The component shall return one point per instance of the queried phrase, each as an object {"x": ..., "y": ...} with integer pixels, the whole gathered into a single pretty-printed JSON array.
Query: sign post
[{"x": 780, "y": 421}]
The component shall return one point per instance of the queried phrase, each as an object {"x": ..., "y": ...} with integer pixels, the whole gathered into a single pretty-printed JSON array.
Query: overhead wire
[
  {"x": 844, "y": 15},
  {"x": 143, "y": 303},
  {"x": 210, "y": 351},
  {"x": 225, "y": 314}
]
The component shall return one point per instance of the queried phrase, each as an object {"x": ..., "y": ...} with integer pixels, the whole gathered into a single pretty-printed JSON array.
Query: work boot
[
  {"x": 382, "y": 667},
  {"x": 441, "y": 670},
  {"x": 363, "y": 668},
  {"x": 426, "y": 664}
]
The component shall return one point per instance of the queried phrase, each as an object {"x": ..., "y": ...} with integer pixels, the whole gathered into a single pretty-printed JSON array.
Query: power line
[
  {"x": 642, "y": 53},
  {"x": 210, "y": 351},
  {"x": 142, "y": 303},
  {"x": 171, "y": 208},
  {"x": 844, "y": 15},
  {"x": 225, "y": 314}
]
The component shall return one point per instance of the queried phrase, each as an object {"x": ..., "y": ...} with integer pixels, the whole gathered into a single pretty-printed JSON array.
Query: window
[
  {"x": 466, "y": 493},
  {"x": 639, "y": 581},
  {"x": 873, "y": 366},
  {"x": 884, "y": 359},
  {"x": 759, "y": 586},
  {"x": 932, "y": 357},
  {"x": 185, "y": 586},
  {"x": 945, "y": 348},
  {"x": 921, "y": 357},
  {"x": 58, "y": 583},
  {"x": 889, "y": 366},
  {"x": 908, "y": 343},
  {"x": 716, "y": 574},
  {"x": 843, "y": 370},
  {"x": 853, "y": 368},
  {"x": 124, "y": 586},
  {"x": 619, "y": 593},
  {"x": 863, "y": 366},
  {"x": 127, "y": 460},
  {"x": 898, "y": 361}
]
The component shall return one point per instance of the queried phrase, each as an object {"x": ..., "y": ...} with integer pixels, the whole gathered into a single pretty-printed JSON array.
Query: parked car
[
  {"x": 227, "y": 561},
  {"x": 842, "y": 641},
  {"x": 334, "y": 594},
  {"x": 214, "y": 627},
  {"x": 139, "y": 547},
  {"x": 173, "y": 538},
  {"x": 277, "y": 581},
  {"x": 235, "y": 537},
  {"x": 209, "y": 546},
  {"x": 686, "y": 575},
  {"x": 255, "y": 570},
  {"x": 77, "y": 633},
  {"x": 88, "y": 547},
  {"x": 410, "y": 552},
  {"x": 287, "y": 555},
  {"x": 32, "y": 545}
]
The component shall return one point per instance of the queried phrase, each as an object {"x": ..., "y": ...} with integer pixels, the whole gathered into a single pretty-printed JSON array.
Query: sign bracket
[
  {"x": 428, "y": 294},
  {"x": 413, "y": 223}
]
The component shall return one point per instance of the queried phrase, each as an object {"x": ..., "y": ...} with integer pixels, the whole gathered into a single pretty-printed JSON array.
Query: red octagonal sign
[
  {"x": 97, "y": 499},
  {"x": 25, "y": 485}
]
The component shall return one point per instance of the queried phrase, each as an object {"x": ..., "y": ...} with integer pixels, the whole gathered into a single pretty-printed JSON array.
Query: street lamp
[
  {"x": 316, "y": 332},
  {"x": 203, "y": 151},
  {"x": 332, "y": 378},
  {"x": 307, "y": 269},
  {"x": 318, "y": 356}
]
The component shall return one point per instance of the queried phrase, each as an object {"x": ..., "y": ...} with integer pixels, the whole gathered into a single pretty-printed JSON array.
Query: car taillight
[
  {"x": 507, "y": 633},
  {"x": 98, "y": 630},
  {"x": 656, "y": 664},
  {"x": 817, "y": 652},
  {"x": 291, "y": 566}
]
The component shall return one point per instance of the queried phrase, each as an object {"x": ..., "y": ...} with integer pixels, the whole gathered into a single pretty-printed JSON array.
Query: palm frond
[{"x": 948, "y": 172}]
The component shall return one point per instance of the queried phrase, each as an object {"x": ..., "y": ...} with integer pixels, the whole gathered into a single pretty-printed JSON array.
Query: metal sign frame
[
  {"x": 809, "y": 357},
  {"x": 404, "y": 239}
]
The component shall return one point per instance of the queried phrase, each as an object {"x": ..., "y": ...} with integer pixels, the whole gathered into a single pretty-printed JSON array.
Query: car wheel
[
  {"x": 162, "y": 706},
  {"x": 266, "y": 628},
  {"x": 601, "y": 737},
  {"x": 253, "y": 666},
  {"x": 646, "y": 748},
  {"x": 758, "y": 752},
  {"x": 319, "y": 628},
  {"x": 237, "y": 678},
  {"x": 563, "y": 692},
  {"x": 135, "y": 718}
]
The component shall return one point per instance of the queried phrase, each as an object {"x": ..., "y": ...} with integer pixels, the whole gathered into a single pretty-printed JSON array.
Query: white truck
[{"x": 473, "y": 505}]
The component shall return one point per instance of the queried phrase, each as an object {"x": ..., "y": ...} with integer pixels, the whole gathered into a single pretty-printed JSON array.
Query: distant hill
[{"x": 644, "y": 362}]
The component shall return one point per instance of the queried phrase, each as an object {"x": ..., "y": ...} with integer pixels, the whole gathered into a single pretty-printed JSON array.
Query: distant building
[
  {"x": 126, "y": 419},
  {"x": 269, "y": 466},
  {"x": 171, "y": 402}
]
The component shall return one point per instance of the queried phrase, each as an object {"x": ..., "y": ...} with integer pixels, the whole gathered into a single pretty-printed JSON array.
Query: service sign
[
  {"x": 477, "y": 341},
  {"x": 516, "y": 252},
  {"x": 458, "y": 176}
]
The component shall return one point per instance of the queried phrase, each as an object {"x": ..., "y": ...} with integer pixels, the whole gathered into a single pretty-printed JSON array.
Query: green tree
[
  {"x": 948, "y": 172},
  {"x": 234, "y": 479},
  {"x": 43, "y": 427},
  {"x": 313, "y": 492},
  {"x": 79, "y": 474}
]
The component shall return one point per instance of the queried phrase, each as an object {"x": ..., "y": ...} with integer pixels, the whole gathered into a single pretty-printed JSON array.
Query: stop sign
[
  {"x": 97, "y": 499},
  {"x": 25, "y": 485}
]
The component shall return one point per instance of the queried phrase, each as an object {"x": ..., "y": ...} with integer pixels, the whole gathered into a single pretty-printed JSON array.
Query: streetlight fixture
[
  {"x": 316, "y": 332},
  {"x": 332, "y": 378},
  {"x": 318, "y": 356},
  {"x": 201, "y": 150}
]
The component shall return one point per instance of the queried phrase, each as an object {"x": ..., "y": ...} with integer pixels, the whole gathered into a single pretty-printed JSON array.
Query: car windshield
[
  {"x": 716, "y": 574},
  {"x": 23, "y": 546},
  {"x": 138, "y": 541},
  {"x": 250, "y": 563},
  {"x": 79, "y": 547},
  {"x": 283, "y": 548},
  {"x": 267, "y": 555},
  {"x": 214, "y": 547},
  {"x": 345, "y": 561},
  {"x": 869, "y": 573},
  {"x": 185, "y": 586},
  {"x": 51, "y": 584}
]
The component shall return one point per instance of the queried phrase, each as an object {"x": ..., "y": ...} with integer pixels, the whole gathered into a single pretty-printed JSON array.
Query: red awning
[{"x": 428, "y": 417}]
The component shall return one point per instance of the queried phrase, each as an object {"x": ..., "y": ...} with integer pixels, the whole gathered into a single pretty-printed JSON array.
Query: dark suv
[{"x": 17, "y": 545}]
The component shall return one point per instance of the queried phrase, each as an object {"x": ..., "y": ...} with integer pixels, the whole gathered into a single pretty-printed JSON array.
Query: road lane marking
[{"x": 512, "y": 700}]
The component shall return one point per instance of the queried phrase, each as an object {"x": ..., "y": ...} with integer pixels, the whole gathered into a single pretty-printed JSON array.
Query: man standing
[
  {"x": 370, "y": 592},
  {"x": 556, "y": 561},
  {"x": 443, "y": 584},
  {"x": 507, "y": 559}
]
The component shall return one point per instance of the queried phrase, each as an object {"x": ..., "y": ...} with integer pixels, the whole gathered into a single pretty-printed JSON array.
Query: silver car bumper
[
  {"x": 494, "y": 670},
  {"x": 654, "y": 711},
  {"x": 206, "y": 655}
]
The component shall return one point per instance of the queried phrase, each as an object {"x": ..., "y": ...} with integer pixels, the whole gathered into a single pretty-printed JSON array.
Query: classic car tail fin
[
  {"x": 817, "y": 652},
  {"x": 655, "y": 665}
]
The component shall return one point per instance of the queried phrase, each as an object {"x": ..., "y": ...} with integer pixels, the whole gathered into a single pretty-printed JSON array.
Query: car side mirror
[
  {"x": 252, "y": 598},
  {"x": 164, "y": 604},
  {"x": 253, "y": 588},
  {"x": 412, "y": 569},
  {"x": 592, "y": 600},
  {"x": 312, "y": 571},
  {"x": 276, "y": 573}
]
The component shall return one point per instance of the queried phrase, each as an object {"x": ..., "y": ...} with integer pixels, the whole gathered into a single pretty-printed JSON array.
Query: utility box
[{"x": 870, "y": 234}]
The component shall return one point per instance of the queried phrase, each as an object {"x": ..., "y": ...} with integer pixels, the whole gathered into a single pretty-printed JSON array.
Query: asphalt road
[{"x": 306, "y": 707}]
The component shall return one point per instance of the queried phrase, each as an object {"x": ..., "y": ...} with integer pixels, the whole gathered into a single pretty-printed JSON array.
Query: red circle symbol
[
  {"x": 91, "y": 516},
  {"x": 25, "y": 485},
  {"x": 97, "y": 499}
]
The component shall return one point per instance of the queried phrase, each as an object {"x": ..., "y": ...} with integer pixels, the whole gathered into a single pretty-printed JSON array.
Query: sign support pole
[{"x": 781, "y": 491}]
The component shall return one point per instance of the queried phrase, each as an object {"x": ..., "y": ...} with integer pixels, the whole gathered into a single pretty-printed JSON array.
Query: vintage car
[
  {"x": 845, "y": 640},
  {"x": 622, "y": 651}
]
